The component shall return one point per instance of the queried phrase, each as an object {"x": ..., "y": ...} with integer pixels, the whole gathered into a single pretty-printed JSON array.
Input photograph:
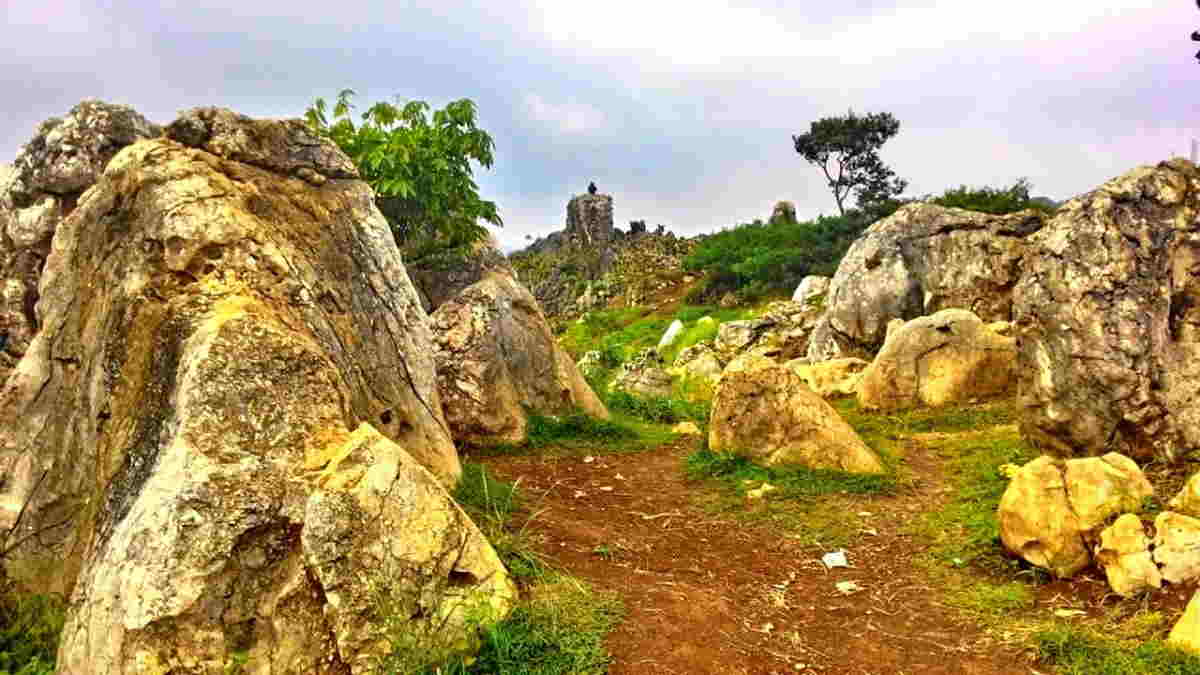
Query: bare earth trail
[{"x": 708, "y": 594}]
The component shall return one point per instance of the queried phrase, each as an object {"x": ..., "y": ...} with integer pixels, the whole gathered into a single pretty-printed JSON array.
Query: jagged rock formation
[
  {"x": 936, "y": 360},
  {"x": 1107, "y": 312},
  {"x": 784, "y": 212},
  {"x": 1124, "y": 555},
  {"x": 765, "y": 412},
  {"x": 643, "y": 375},
  {"x": 497, "y": 359},
  {"x": 227, "y": 434},
  {"x": 828, "y": 379},
  {"x": 64, "y": 158},
  {"x": 781, "y": 332},
  {"x": 921, "y": 259},
  {"x": 812, "y": 289},
  {"x": 591, "y": 264}
]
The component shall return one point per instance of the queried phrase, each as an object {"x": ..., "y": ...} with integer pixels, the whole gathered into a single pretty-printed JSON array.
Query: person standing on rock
[{"x": 592, "y": 188}]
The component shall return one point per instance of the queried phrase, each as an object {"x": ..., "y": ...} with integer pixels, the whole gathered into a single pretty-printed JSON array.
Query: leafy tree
[
  {"x": 847, "y": 151},
  {"x": 420, "y": 167}
]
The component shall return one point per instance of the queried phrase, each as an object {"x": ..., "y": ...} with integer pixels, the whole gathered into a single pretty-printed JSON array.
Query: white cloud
[{"x": 565, "y": 118}]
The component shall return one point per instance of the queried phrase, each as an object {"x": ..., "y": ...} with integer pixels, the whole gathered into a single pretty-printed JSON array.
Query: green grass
[
  {"x": 738, "y": 473},
  {"x": 30, "y": 626},
  {"x": 656, "y": 409},
  {"x": 558, "y": 629},
  {"x": 1076, "y": 651},
  {"x": 577, "y": 433}
]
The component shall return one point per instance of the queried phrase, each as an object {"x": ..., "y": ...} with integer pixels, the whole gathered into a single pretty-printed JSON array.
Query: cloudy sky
[{"x": 682, "y": 110}]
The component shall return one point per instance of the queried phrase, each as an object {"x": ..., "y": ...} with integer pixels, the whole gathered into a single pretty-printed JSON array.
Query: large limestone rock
[
  {"x": 828, "y": 379},
  {"x": 1187, "y": 501},
  {"x": 1106, "y": 312},
  {"x": 763, "y": 410},
  {"x": 439, "y": 278},
  {"x": 64, "y": 158},
  {"x": 1185, "y": 634},
  {"x": 497, "y": 359},
  {"x": 811, "y": 290},
  {"x": 936, "y": 360},
  {"x": 781, "y": 332},
  {"x": 700, "y": 363},
  {"x": 1124, "y": 555},
  {"x": 590, "y": 220},
  {"x": 670, "y": 335},
  {"x": 644, "y": 375},
  {"x": 1051, "y": 511},
  {"x": 1177, "y": 546},
  {"x": 227, "y": 435},
  {"x": 922, "y": 259}
]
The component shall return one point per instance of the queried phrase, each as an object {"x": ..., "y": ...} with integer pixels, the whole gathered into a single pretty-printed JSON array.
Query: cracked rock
[
  {"x": 1124, "y": 555},
  {"x": 1177, "y": 546}
]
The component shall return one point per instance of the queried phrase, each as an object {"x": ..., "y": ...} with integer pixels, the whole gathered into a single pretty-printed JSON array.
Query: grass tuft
[
  {"x": 1076, "y": 651},
  {"x": 30, "y": 626}
]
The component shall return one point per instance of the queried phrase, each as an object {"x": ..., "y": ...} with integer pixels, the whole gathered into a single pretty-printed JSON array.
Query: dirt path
[{"x": 708, "y": 594}]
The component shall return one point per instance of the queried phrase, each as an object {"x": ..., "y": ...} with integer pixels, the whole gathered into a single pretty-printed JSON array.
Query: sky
[{"x": 682, "y": 110}]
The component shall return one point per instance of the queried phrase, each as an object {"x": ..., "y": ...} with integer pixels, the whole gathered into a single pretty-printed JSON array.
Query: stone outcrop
[
  {"x": 698, "y": 362},
  {"x": 1177, "y": 546},
  {"x": 828, "y": 379},
  {"x": 936, "y": 360},
  {"x": 590, "y": 219},
  {"x": 670, "y": 335},
  {"x": 497, "y": 359},
  {"x": 644, "y": 375},
  {"x": 1187, "y": 501},
  {"x": 64, "y": 158},
  {"x": 765, "y": 412},
  {"x": 440, "y": 278},
  {"x": 1185, "y": 635},
  {"x": 781, "y": 332},
  {"x": 227, "y": 435},
  {"x": 1124, "y": 556},
  {"x": 1106, "y": 312},
  {"x": 922, "y": 259},
  {"x": 784, "y": 212},
  {"x": 1052, "y": 509},
  {"x": 811, "y": 290}
]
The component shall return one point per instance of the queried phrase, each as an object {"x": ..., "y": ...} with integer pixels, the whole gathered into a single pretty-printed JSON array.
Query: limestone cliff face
[
  {"x": 1107, "y": 312},
  {"x": 227, "y": 434}
]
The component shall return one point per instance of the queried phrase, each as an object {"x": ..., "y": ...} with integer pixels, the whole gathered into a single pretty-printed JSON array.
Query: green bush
[
  {"x": 760, "y": 258},
  {"x": 30, "y": 626},
  {"x": 1076, "y": 652},
  {"x": 738, "y": 472},
  {"x": 657, "y": 409},
  {"x": 992, "y": 200}
]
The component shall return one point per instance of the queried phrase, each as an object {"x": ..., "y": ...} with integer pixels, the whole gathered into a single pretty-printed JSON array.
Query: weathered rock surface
[
  {"x": 671, "y": 334},
  {"x": 1187, "y": 501},
  {"x": 64, "y": 158},
  {"x": 782, "y": 332},
  {"x": 936, "y": 360},
  {"x": 1051, "y": 510},
  {"x": 922, "y": 259},
  {"x": 784, "y": 212},
  {"x": 698, "y": 362},
  {"x": 590, "y": 219},
  {"x": 223, "y": 434},
  {"x": 1185, "y": 634},
  {"x": 811, "y": 289},
  {"x": 827, "y": 379},
  {"x": 1106, "y": 312},
  {"x": 440, "y": 278},
  {"x": 644, "y": 375},
  {"x": 764, "y": 411},
  {"x": 1124, "y": 555},
  {"x": 1177, "y": 546},
  {"x": 497, "y": 359}
]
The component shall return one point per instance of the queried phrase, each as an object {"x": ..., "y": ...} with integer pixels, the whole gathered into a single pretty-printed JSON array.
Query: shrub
[
  {"x": 997, "y": 201},
  {"x": 30, "y": 626}
]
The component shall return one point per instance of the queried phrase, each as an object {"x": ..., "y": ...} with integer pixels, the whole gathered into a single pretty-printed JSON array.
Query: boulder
[
  {"x": 922, "y": 259},
  {"x": 1124, "y": 555},
  {"x": 1052, "y": 509},
  {"x": 764, "y": 411},
  {"x": 698, "y": 362},
  {"x": 781, "y": 332},
  {"x": 936, "y": 360},
  {"x": 686, "y": 429},
  {"x": 227, "y": 435},
  {"x": 827, "y": 379},
  {"x": 439, "y": 278},
  {"x": 1177, "y": 546},
  {"x": 590, "y": 220},
  {"x": 1185, "y": 635},
  {"x": 497, "y": 360},
  {"x": 784, "y": 212},
  {"x": 591, "y": 363},
  {"x": 1106, "y": 312},
  {"x": 670, "y": 335},
  {"x": 64, "y": 158},
  {"x": 812, "y": 290},
  {"x": 1187, "y": 501},
  {"x": 644, "y": 375}
]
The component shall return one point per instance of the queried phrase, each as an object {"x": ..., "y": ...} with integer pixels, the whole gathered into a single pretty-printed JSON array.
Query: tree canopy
[
  {"x": 420, "y": 166},
  {"x": 846, "y": 149}
]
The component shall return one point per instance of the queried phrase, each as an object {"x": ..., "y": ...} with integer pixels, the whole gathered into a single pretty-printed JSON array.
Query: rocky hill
[{"x": 591, "y": 264}]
